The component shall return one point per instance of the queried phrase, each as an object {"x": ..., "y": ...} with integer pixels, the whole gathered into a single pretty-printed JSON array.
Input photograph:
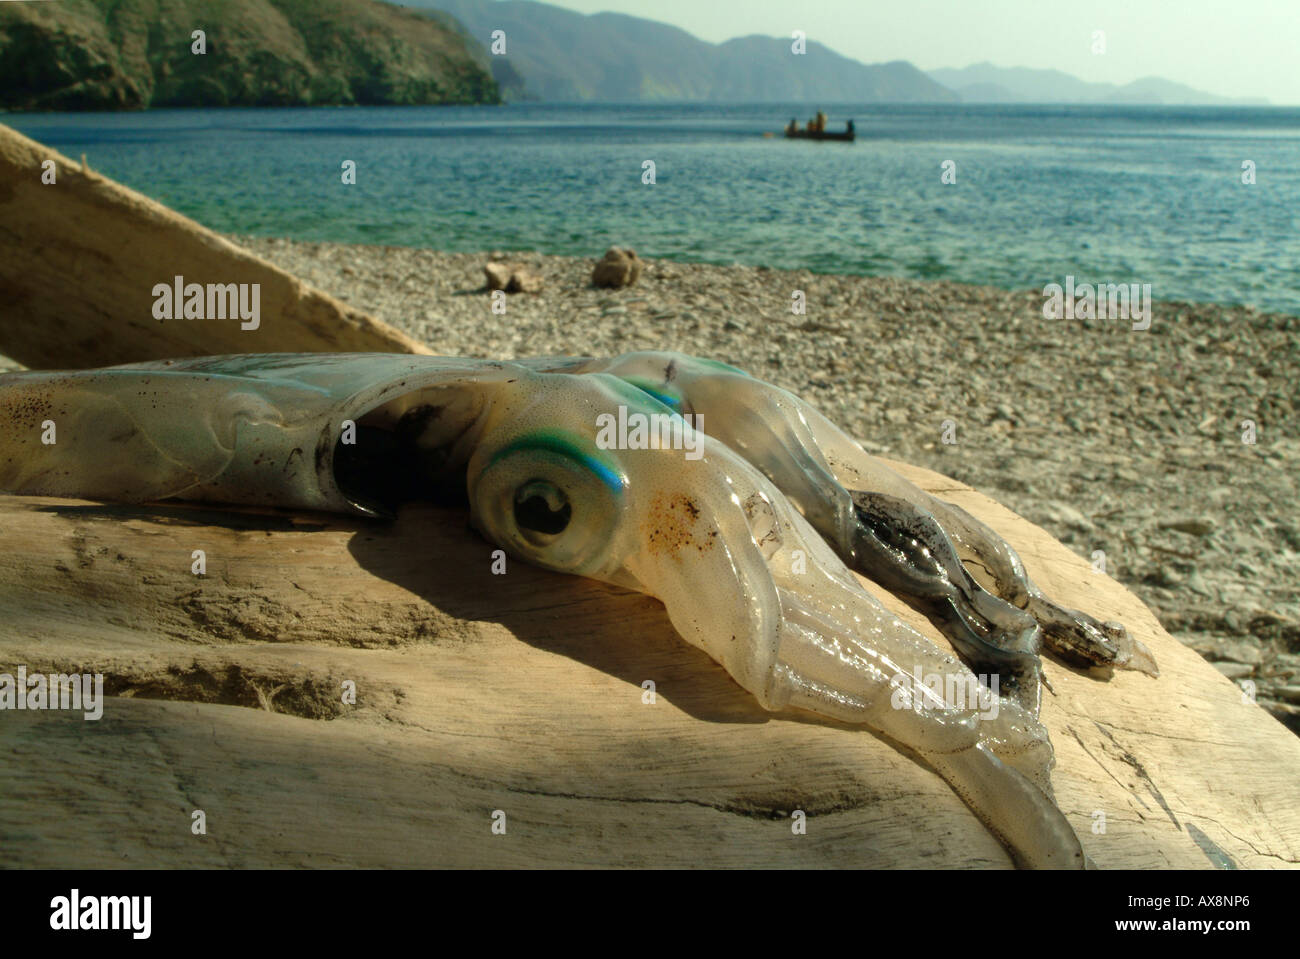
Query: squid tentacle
[
  {"x": 767, "y": 508},
  {"x": 822, "y": 469}
]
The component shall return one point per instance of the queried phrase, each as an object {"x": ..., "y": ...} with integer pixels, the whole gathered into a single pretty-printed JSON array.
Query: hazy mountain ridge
[
  {"x": 987, "y": 83},
  {"x": 566, "y": 56},
  {"x": 132, "y": 54}
]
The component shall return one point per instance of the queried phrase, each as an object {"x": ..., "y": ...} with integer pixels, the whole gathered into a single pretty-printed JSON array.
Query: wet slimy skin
[
  {"x": 746, "y": 529},
  {"x": 938, "y": 557}
]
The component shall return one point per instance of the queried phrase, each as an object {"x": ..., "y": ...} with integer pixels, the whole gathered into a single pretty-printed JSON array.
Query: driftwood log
[
  {"x": 521, "y": 695},
  {"x": 481, "y": 699},
  {"x": 80, "y": 257}
]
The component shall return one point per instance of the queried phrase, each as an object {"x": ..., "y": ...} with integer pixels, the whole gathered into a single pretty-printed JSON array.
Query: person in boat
[
  {"x": 849, "y": 128},
  {"x": 821, "y": 122},
  {"x": 793, "y": 128}
]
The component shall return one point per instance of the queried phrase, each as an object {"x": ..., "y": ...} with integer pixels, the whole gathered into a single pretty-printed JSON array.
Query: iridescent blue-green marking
[
  {"x": 571, "y": 447},
  {"x": 636, "y": 398},
  {"x": 656, "y": 391}
]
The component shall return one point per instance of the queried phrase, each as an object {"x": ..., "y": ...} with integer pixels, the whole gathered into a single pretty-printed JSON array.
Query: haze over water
[{"x": 1108, "y": 194}]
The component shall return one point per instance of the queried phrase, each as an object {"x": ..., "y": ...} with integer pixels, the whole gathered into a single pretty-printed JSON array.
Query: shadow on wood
[{"x": 524, "y": 693}]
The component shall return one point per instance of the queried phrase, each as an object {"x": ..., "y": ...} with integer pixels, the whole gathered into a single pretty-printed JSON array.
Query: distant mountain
[
  {"x": 131, "y": 54},
  {"x": 564, "y": 56},
  {"x": 1158, "y": 90},
  {"x": 986, "y": 83},
  {"x": 510, "y": 84}
]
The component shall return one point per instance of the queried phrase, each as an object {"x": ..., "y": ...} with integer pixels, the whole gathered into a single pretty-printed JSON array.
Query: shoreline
[
  {"x": 1271, "y": 316},
  {"x": 1114, "y": 440}
]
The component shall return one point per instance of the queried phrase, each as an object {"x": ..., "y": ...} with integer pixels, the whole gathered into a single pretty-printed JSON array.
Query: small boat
[{"x": 796, "y": 132}]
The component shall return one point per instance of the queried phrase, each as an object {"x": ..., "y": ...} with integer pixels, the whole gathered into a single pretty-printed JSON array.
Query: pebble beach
[
  {"x": 1131, "y": 443},
  {"x": 1126, "y": 442}
]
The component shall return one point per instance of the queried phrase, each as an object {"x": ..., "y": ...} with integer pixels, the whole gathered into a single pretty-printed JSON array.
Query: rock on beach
[{"x": 1124, "y": 445}]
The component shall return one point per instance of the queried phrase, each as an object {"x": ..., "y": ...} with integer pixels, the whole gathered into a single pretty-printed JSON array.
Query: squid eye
[
  {"x": 542, "y": 510},
  {"x": 551, "y": 497}
]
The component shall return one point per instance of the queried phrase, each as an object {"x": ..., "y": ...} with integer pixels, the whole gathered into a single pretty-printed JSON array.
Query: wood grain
[
  {"x": 79, "y": 259},
  {"x": 522, "y": 693}
]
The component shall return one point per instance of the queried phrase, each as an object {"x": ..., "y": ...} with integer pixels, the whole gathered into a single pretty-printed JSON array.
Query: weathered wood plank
[
  {"x": 79, "y": 259},
  {"x": 523, "y": 693}
]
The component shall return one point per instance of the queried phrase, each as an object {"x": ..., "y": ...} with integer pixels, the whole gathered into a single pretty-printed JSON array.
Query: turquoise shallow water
[{"x": 1110, "y": 194}]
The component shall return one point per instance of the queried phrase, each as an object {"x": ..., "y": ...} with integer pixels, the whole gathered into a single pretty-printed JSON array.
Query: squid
[{"x": 733, "y": 502}]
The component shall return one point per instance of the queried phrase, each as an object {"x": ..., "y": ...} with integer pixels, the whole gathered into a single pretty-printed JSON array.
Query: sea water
[{"x": 1036, "y": 193}]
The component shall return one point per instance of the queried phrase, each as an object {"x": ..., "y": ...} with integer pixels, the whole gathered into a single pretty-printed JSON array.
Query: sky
[{"x": 1233, "y": 48}]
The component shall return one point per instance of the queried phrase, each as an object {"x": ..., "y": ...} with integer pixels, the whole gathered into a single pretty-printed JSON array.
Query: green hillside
[{"x": 133, "y": 54}]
